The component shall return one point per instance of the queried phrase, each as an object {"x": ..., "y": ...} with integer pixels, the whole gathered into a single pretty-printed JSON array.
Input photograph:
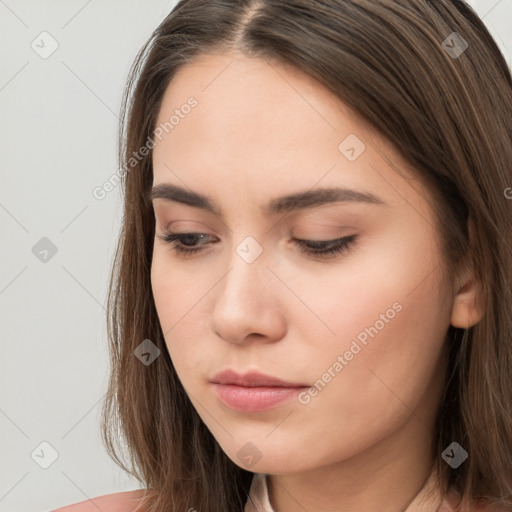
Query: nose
[{"x": 248, "y": 303}]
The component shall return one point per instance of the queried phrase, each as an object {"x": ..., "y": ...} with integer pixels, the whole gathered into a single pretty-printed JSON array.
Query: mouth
[{"x": 253, "y": 391}]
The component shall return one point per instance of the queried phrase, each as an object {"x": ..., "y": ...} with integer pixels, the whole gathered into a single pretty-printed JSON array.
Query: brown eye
[
  {"x": 186, "y": 241},
  {"x": 186, "y": 244}
]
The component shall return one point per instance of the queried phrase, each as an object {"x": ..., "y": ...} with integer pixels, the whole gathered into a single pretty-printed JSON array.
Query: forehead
[
  {"x": 229, "y": 78},
  {"x": 259, "y": 126},
  {"x": 245, "y": 102}
]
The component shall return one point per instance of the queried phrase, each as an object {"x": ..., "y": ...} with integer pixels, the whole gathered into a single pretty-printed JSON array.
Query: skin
[{"x": 262, "y": 130}]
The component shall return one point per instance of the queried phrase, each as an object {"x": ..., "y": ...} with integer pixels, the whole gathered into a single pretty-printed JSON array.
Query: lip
[
  {"x": 253, "y": 391},
  {"x": 253, "y": 379}
]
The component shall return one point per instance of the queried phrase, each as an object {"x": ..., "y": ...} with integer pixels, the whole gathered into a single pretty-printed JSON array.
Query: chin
[{"x": 271, "y": 460}]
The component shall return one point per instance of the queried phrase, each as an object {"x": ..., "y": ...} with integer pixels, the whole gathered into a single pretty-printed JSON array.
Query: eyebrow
[{"x": 289, "y": 203}]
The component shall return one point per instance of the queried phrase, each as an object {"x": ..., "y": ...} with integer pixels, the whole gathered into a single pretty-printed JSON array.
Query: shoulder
[{"x": 118, "y": 502}]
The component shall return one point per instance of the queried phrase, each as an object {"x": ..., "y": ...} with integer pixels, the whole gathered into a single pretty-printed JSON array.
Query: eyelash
[{"x": 341, "y": 245}]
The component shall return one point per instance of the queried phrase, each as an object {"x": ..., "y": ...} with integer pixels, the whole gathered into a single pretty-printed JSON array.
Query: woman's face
[{"x": 361, "y": 329}]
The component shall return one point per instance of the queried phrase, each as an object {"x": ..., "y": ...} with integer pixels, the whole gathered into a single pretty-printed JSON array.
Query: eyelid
[{"x": 336, "y": 247}]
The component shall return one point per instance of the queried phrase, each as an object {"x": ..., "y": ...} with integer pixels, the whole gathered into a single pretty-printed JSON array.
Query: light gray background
[{"x": 58, "y": 133}]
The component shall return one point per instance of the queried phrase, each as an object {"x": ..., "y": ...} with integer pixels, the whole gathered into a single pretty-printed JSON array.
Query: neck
[{"x": 395, "y": 476}]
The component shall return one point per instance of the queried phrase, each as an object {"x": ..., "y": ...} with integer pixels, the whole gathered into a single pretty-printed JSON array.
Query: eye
[
  {"x": 328, "y": 248},
  {"x": 184, "y": 239},
  {"x": 319, "y": 248}
]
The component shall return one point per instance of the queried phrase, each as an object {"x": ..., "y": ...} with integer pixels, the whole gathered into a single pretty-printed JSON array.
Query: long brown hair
[{"x": 450, "y": 117}]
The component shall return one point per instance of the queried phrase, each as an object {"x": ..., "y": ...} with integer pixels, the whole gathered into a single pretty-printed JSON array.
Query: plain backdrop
[{"x": 58, "y": 142}]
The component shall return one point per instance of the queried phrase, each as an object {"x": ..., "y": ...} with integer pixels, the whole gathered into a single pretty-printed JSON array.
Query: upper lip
[{"x": 251, "y": 379}]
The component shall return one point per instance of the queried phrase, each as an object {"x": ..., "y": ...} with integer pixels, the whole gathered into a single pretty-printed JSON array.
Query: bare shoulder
[{"x": 126, "y": 501}]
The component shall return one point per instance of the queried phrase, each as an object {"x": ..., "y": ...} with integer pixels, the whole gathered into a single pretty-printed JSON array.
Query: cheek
[
  {"x": 391, "y": 290},
  {"x": 390, "y": 327},
  {"x": 387, "y": 314},
  {"x": 164, "y": 294},
  {"x": 392, "y": 374},
  {"x": 174, "y": 291},
  {"x": 180, "y": 311}
]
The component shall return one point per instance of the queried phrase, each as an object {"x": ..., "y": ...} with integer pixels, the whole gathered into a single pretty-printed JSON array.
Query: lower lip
[{"x": 254, "y": 399}]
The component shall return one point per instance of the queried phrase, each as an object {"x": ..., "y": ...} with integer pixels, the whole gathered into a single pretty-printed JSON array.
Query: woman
[{"x": 310, "y": 307}]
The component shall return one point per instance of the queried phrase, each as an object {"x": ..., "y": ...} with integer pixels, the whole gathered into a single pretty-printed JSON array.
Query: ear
[{"x": 468, "y": 308}]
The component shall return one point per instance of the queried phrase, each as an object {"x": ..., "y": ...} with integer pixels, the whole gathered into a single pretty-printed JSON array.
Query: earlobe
[{"x": 468, "y": 308}]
